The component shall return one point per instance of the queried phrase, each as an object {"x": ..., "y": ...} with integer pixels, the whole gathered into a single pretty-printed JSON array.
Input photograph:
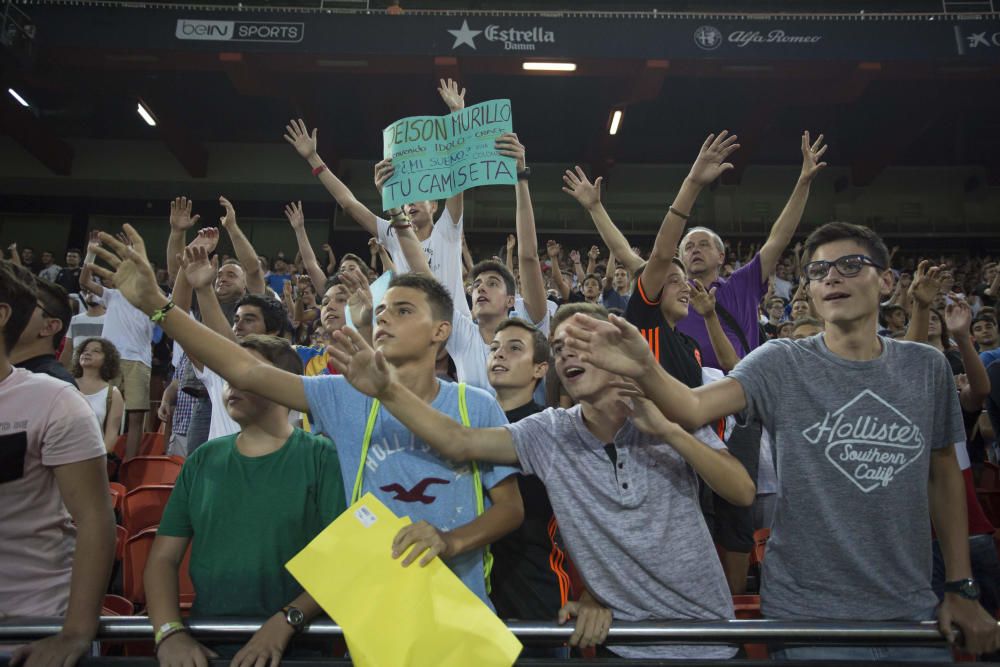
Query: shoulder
[
  {"x": 918, "y": 352},
  {"x": 211, "y": 450}
]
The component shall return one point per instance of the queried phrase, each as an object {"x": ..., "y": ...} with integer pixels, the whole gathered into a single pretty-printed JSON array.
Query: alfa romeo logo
[{"x": 708, "y": 37}]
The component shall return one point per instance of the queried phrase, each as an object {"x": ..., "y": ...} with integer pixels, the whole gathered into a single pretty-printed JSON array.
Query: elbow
[{"x": 747, "y": 493}]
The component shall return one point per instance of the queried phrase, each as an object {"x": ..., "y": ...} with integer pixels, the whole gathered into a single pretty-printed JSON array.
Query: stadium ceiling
[{"x": 903, "y": 89}]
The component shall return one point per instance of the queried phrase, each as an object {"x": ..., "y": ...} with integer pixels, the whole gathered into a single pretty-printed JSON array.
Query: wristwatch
[
  {"x": 295, "y": 618},
  {"x": 966, "y": 588},
  {"x": 524, "y": 174}
]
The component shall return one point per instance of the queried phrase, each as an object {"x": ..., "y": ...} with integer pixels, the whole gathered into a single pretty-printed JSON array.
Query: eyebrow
[{"x": 382, "y": 306}]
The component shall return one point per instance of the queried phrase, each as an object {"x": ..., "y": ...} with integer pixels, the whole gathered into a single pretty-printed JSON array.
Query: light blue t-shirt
[
  {"x": 403, "y": 472},
  {"x": 989, "y": 357}
]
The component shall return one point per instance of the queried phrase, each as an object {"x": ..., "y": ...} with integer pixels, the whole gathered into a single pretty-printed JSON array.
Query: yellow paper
[{"x": 394, "y": 616}]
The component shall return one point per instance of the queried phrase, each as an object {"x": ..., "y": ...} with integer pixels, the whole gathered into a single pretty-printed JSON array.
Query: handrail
[{"x": 135, "y": 628}]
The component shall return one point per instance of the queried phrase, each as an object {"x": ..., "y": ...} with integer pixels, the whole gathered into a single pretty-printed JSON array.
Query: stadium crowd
[{"x": 590, "y": 434}]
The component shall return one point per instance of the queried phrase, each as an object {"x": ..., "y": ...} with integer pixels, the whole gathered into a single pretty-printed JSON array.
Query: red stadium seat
[
  {"x": 153, "y": 444},
  {"x": 144, "y": 506},
  {"x": 134, "y": 564},
  {"x": 118, "y": 492},
  {"x": 747, "y": 607},
  {"x": 146, "y": 470},
  {"x": 116, "y": 605},
  {"x": 121, "y": 537},
  {"x": 760, "y": 538}
]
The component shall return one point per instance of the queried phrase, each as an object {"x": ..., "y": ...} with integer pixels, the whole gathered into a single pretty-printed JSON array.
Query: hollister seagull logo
[
  {"x": 868, "y": 440},
  {"x": 418, "y": 494}
]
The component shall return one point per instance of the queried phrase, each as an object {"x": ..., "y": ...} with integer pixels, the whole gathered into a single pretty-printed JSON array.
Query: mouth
[
  {"x": 573, "y": 372},
  {"x": 497, "y": 368},
  {"x": 381, "y": 335},
  {"x": 233, "y": 400},
  {"x": 482, "y": 299},
  {"x": 685, "y": 300},
  {"x": 836, "y": 296}
]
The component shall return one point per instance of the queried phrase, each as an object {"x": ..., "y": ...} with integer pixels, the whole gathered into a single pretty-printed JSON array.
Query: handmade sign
[{"x": 436, "y": 157}]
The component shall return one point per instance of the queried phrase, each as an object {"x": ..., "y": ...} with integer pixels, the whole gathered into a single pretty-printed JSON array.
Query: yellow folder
[{"x": 394, "y": 616}]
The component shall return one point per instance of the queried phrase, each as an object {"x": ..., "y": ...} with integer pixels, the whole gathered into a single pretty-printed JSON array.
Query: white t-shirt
[
  {"x": 44, "y": 423},
  {"x": 469, "y": 351},
  {"x": 443, "y": 249},
  {"x": 222, "y": 424},
  {"x": 128, "y": 328},
  {"x": 783, "y": 288},
  {"x": 84, "y": 326}
]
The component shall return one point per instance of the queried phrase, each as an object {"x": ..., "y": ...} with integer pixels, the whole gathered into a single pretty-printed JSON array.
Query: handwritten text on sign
[{"x": 436, "y": 157}]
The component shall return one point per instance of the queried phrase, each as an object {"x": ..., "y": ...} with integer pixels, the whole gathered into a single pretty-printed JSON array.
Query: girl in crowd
[{"x": 95, "y": 365}]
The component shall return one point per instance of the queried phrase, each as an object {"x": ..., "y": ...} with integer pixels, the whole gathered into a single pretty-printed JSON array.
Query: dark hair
[
  {"x": 539, "y": 343},
  {"x": 838, "y": 231},
  {"x": 806, "y": 322},
  {"x": 17, "y": 290},
  {"x": 273, "y": 311},
  {"x": 982, "y": 317},
  {"x": 945, "y": 332},
  {"x": 442, "y": 307},
  {"x": 111, "y": 367},
  {"x": 56, "y": 302},
  {"x": 568, "y": 310},
  {"x": 277, "y": 351},
  {"x": 76, "y": 250},
  {"x": 354, "y": 258},
  {"x": 591, "y": 276},
  {"x": 495, "y": 267},
  {"x": 886, "y": 311},
  {"x": 330, "y": 282}
]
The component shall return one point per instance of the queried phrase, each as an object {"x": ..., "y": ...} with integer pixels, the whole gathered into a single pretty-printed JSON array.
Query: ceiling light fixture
[
  {"x": 17, "y": 96},
  {"x": 616, "y": 120},
  {"x": 549, "y": 67},
  {"x": 146, "y": 114}
]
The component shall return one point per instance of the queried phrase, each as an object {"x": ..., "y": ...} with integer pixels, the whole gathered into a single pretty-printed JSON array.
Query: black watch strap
[
  {"x": 524, "y": 174},
  {"x": 966, "y": 588}
]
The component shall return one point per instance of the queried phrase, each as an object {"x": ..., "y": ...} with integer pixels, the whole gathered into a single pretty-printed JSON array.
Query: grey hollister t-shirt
[
  {"x": 633, "y": 527},
  {"x": 851, "y": 537}
]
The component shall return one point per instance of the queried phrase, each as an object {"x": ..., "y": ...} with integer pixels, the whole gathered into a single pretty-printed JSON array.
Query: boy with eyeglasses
[{"x": 865, "y": 457}]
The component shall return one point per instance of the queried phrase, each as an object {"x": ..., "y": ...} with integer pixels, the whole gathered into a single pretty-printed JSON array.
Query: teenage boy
[
  {"x": 441, "y": 241},
  {"x": 865, "y": 457},
  {"x": 50, "y": 318},
  {"x": 377, "y": 453},
  {"x": 88, "y": 324},
  {"x": 530, "y": 581},
  {"x": 493, "y": 284},
  {"x": 620, "y": 477},
  {"x": 57, "y": 536},
  {"x": 248, "y": 501}
]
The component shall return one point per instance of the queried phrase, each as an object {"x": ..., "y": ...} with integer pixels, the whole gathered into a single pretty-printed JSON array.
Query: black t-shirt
[
  {"x": 49, "y": 365},
  {"x": 677, "y": 352},
  {"x": 69, "y": 279},
  {"x": 529, "y": 576}
]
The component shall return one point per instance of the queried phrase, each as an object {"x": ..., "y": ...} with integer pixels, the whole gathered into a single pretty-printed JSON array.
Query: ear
[
  {"x": 5, "y": 311},
  {"x": 510, "y": 301},
  {"x": 540, "y": 370},
  {"x": 442, "y": 331},
  {"x": 51, "y": 327},
  {"x": 887, "y": 281}
]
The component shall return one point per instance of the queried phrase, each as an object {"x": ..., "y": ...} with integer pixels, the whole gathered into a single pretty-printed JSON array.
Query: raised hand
[
  {"x": 711, "y": 161},
  {"x": 130, "y": 270},
  {"x": 207, "y": 238},
  {"x": 229, "y": 219},
  {"x": 553, "y": 250},
  {"x": 511, "y": 241},
  {"x": 359, "y": 298},
  {"x": 366, "y": 369},
  {"x": 958, "y": 317},
  {"x": 383, "y": 172},
  {"x": 811, "y": 154},
  {"x": 574, "y": 256},
  {"x": 642, "y": 411},
  {"x": 295, "y": 216},
  {"x": 448, "y": 90},
  {"x": 510, "y": 146},
  {"x": 579, "y": 187},
  {"x": 926, "y": 284},
  {"x": 199, "y": 270},
  {"x": 702, "y": 300},
  {"x": 373, "y": 246},
  {"x": 180, "y": 214},
  {"x": 297, "y": 134},
  {"x": 594, "y": 252},
  {"x": 614, "y": 345}
]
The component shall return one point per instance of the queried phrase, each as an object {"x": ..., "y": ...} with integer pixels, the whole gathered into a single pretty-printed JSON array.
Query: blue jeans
[
  {"x": 985, "y": 570},
  {"x": 201, "y": 421},
  {"x": 865, "y": 653}
]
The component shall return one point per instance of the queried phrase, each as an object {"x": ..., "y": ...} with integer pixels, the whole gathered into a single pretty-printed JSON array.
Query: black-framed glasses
[
  {"x": 38, "y": 304},
  {"x": 847, "y": 266}
]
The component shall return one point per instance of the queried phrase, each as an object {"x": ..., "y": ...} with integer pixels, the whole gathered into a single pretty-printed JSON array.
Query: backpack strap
[{"x": 733, "y": 325}]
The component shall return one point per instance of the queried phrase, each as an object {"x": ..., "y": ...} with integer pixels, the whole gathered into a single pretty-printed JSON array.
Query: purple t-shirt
[{"x": 739, "y": 294}]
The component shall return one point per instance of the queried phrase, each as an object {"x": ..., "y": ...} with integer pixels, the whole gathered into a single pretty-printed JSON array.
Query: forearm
[
  {"x": 579, "y": 272},
  {"x": 721, "y": 471},
  {"x": 721, "y": 345},
  {"x": 920, "y": 321},
  {"x": 672, "y": 228},
  {"x": 412, "y": 249},
  {"x": 331, "y": 264},
  {"x": 510, "y": 258},
  {"x": 678, "y": 402},
  {"x": 309, "y": 261},
  {"x": 591, "y": 265},
  {"x": 784, "y": 227},
  {"x": 247, "y": 257},
  {"x": 87, "y": 281},
  {"x": 345, "y": 198},
  {"x": 92, "y": 562},
  {"x": 498, "y": 520},
  {"x": 455, "y": 205},
  {"x": 15, "y": 259},
  {"x": 975, "y": 372},
  {"x": 387, "y": 263},
  {"x": 212, "y": 316},
  {"x": 175, "y": 248},
  {"x": 946, "y": 492},
  {"x": 558, "y": 281},
  {"x": 162, "y": 593},
  {"x": 467, "y": 262},
  {"x": 181, "y": 294},
  {"x": 613, "y": 238},
  {"x": 532, "y": 283}
]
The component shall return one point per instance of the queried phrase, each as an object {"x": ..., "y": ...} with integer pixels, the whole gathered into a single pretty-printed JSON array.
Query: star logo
[
  {"x": 465, "y": 35},
  {"x": 976, "y": 39}
]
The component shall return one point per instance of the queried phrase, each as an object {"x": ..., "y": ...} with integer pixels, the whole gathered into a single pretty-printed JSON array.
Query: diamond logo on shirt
[{"x": 868, "y": 440}]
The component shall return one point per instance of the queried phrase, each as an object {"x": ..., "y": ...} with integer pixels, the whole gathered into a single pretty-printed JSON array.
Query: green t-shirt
[{"x": 247, "y": 517}]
